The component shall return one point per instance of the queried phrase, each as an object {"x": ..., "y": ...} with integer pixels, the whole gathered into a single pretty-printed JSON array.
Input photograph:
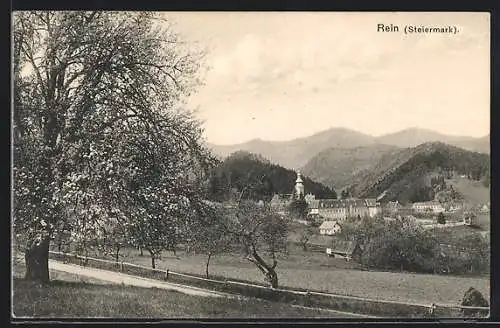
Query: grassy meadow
[
  {"x": 74, "y": 296},
  {"x": 474, "y": 192},
  {"x": 316, "y": 271}
]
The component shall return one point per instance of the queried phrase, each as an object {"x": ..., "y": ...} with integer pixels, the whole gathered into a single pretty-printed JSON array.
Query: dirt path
[{"x": 121, "y": 278}]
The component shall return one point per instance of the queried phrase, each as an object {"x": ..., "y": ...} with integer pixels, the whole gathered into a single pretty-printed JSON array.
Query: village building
[
  {"x": 470, "y": 219},
  {"x": 309, "y": 198},
  {"x": 373, "y": 207},
  {"x": 314, "y": 207},
  {"x": 341, "y": 209},
  {"x": 280, "y": 201},
  {"x": 452, "y": 207},
  {"x": 428, "y": 207},
  {"x": 406, "y": 210},
  {"x": 392, "y": 208},
  {"x": 329, "y": 209},
  {"x": 485, "y": 208},
  {"x": 330, "y": 228},
  {"x": 344, "y": 249}
]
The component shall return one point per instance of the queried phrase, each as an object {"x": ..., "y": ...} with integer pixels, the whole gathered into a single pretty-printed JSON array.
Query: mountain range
[{"x": 295, "y": 154}]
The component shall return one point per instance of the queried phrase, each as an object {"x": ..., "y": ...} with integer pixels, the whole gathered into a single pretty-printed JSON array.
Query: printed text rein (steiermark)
[{"x": 416, "y": 29}]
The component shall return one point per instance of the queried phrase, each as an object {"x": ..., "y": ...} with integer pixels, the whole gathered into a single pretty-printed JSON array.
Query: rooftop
[{"x": 328, "y": 224}]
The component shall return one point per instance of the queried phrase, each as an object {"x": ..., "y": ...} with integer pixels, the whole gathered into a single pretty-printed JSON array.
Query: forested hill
[
  {"x": 405, "y": 176},
  {"x": 259, "y": 177},
  {"x": 336, "y": 167}
]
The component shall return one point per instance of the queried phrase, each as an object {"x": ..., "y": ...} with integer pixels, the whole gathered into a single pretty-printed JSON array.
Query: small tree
[
  {"x": 210, "y": 237},
  {"x": 473, "y": 297},
  {"x": 298, "y": 209},
  {"x": 441, "y": 219},
  {"x": 113, "y": 239},
  {"x": 261, "y": 231},
  {"x": 345, "y": 194},
  {"x": 304, "y": 237}
]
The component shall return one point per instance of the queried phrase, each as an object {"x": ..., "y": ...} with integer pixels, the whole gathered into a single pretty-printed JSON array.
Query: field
[
  {"x": 316, "y": 271},
  {"x": 452, "y": 234},
  {"x": 484, "y": 221},
  {"x": 74, "y": 296},
  {"x": 474, "y": 192}
]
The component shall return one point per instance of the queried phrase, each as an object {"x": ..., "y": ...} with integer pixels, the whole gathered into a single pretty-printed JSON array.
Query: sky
[{"x": 280, "y": 76}]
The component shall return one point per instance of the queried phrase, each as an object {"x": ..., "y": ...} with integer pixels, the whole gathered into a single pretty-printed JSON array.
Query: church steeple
[{"x": 299, "y": 187}]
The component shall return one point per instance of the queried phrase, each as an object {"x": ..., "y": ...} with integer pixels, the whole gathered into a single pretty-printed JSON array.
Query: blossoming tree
[{"x": 97, "y": 133}]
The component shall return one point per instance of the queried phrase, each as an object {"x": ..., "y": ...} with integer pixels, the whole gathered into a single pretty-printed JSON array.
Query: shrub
[
  {"x": 441, "y": 219},
  {"x": 404, "y": 245},
  {"x": 401, "y": 244},
  {"x": 473, "y": 297}
]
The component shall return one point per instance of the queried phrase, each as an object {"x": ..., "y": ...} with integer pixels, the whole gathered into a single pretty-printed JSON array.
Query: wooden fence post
[
  {"x": 432, "y": 310},
  {"x": 307, "y": 299}
]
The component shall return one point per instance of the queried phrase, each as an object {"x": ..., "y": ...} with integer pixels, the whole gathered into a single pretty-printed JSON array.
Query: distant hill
[
  {"x": 259, "y": 178},
  {"x": 336, "y": 167},
  {"x": 404, "y": 175},
  {"x": 481, "y": 145},
  {"x": 415, "y": 136},
  {"x": 297, "y": 153}
]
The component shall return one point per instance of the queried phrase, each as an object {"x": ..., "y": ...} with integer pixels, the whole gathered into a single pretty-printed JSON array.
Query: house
[
  {"x": 279, "y": 202},
  {"x": 484, "y": 208},
  {"x": 405, "y": 210},
  {"x": 329, "y": 228},
  {"x": 392, "y": 208},
  {"x": 344, "y": 249},
  {"x": 428, "y": 207},
  {"x": 470, "y": 219},
  {"x": 314, "y": 207},
  {"x": 453, "y": 207},
  {"x": 373, "y": 207},
  {"x": 309, "y": 197},
  {"x": 341, "y": 209}
]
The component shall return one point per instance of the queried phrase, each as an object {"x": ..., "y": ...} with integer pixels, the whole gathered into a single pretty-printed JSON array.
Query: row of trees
[{"x": 104, "y": 157}]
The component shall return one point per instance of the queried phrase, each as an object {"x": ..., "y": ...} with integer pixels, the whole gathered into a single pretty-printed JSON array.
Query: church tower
[{"x": 299, "y": 187}]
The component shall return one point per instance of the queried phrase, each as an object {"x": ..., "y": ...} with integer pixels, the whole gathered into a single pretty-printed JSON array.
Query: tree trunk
[
  {"x": 86, "y": 261},
  {"x": 208, "y": 263},
  {"x": 304, "y": 247},
  {"x": 267, "y": 270},
  {"x": 142, "y": 253},
  {"x": 117, "y": 254},
  {"x": 273, "y": 278},
  {"x": 153, "y": 258},
  {"x": 37, "y": 261}
]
